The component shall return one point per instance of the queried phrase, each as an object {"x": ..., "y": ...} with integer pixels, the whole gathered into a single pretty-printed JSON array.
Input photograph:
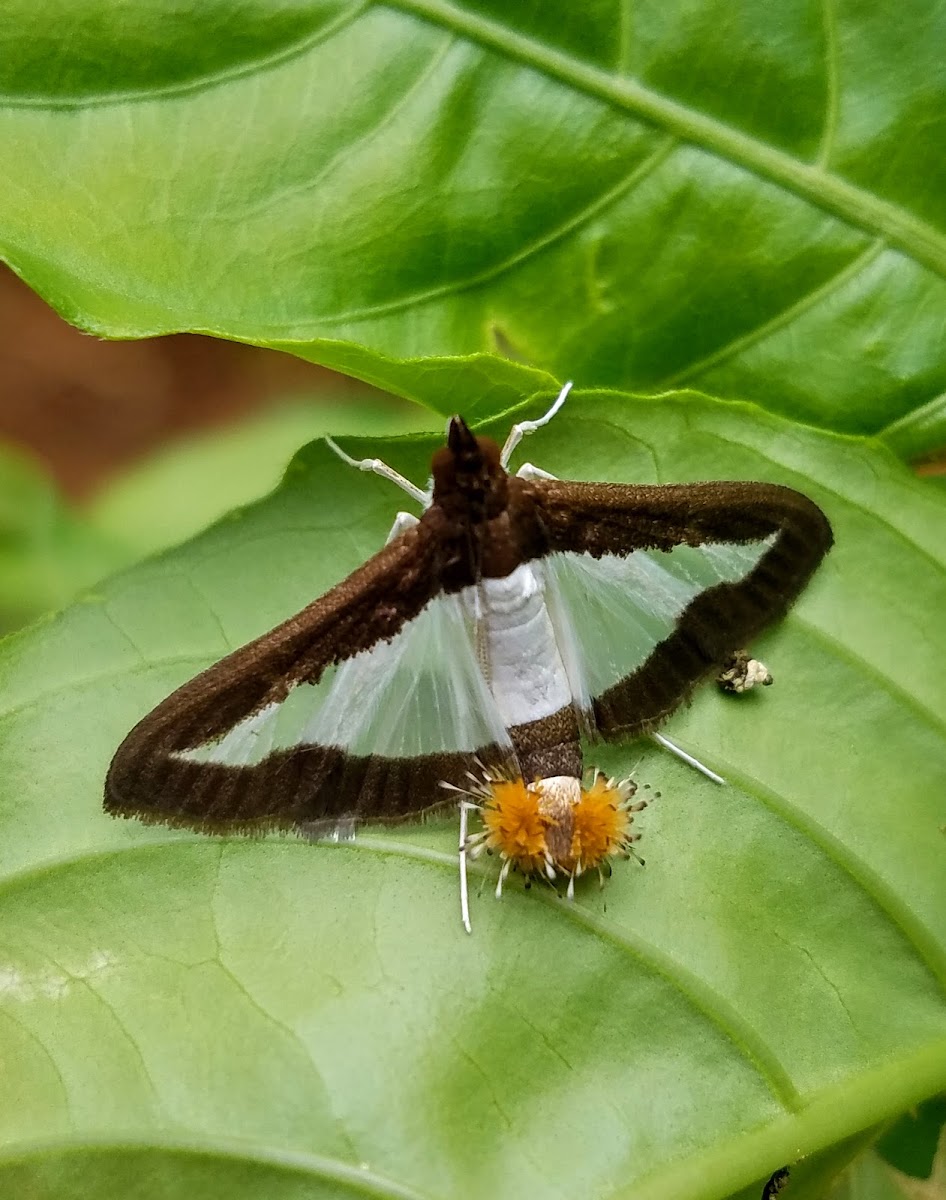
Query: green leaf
[
  {"x": 47, "y": 553},
  {"x": 186, "y": 1012},
  {"x": 745, "y": 197}
]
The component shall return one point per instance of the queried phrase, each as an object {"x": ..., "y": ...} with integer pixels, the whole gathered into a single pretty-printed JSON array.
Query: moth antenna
[
  {"x": 382, "y": 469},
  {"x": 687, "y": 758},
  {"x": 519, "y": 431}
]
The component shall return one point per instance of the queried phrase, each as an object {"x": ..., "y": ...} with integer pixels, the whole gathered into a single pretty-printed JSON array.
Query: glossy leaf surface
[
  {"x": 745, "y": 197},
  {"x": 194, "y": 1013}
]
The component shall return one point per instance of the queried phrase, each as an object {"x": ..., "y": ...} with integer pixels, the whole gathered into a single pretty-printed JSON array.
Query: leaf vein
[
  {"x": 204, "y": 82},
  {"x": 700, "y": 995},
  {"x": 780, "y": 321},
  {"x": 855, "y": 658},
  {"x": 377, "y": 126},
  {"x": 571, "y": 225},
  {"x": 37, "y": 1041},
  {"x": 832, "y": 85},
  {"x": 853, "y": 204},
  {"x": 118, "y": 672},
  {"x": 914, "y": 933}
]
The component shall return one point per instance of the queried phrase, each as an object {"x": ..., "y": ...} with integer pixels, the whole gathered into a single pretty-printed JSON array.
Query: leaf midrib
[{"x": 902, "y": 229}]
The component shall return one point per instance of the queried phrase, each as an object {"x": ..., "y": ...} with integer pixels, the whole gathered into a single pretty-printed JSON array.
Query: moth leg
[
  {"x": 382, "y": 469},
  {"x": 465, "y": 808},
  {"x": 402, "y": 522},
  {"x": 518, "y": 432},
  {"x": 530, "y": 471},
  {"x": 687, "y": 758}
]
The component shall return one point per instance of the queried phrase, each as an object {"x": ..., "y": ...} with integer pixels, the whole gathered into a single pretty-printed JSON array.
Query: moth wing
[
  {"x": 651, "y": 588},
  {"x": 313, "y": 736}
]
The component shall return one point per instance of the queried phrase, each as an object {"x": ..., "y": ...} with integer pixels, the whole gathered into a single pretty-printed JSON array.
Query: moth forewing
[
  {"x": 237, "y": 748},
  {"x": 706, "y": 567}
]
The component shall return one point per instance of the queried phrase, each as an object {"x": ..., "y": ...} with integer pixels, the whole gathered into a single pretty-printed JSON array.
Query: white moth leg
[
  {"x": 687, "y": 758},
  {"x": 518, "y": 432},
  {"x": 402, "y": 522},
  {"x": 531, "y": 471},
  {"x": 465, "y": 807},
  {"x": 382, "y": 469}
]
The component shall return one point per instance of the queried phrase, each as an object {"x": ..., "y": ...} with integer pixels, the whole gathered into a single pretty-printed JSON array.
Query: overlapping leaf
[
  {"x": 203, "y": 1015},
  {"x": 747, "y": 198}
]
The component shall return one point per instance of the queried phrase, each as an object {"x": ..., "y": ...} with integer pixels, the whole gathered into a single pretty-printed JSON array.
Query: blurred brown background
[{"x": 86, "y": 407}]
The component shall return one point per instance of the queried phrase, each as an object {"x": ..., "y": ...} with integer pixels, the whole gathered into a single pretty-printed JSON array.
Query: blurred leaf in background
[
  {"x": 745, "y": 197},
  {"x": 909, "y": 1162},
  {"x": 47, "y": 552},
  {"x": 914, "y": 1145},
  {"x": 51, "y": 548},
  {"x": 194, "y": 481}
]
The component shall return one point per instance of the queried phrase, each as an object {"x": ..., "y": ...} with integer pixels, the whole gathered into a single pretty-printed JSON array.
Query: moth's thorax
[
  {"x": 470, "y": 483},
  {"x": 522, "y": 662}
]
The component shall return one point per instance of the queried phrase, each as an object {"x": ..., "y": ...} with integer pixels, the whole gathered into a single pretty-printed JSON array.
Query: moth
[{"x": 517, "y": 615}]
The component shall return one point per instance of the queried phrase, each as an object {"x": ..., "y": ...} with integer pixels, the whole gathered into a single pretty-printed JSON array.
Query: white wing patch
[
  {"x": 559, "y": 630},
  {"x": 422, "y": 692},
  {"x": 610, "y": 612}
]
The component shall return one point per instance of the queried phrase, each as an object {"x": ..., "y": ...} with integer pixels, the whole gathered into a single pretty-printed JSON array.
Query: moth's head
[{"x": 468, "y": 473}]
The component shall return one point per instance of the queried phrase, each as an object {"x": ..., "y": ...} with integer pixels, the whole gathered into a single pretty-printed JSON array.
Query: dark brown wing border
[
  {"x": 289, "y": 788},
  {"x": 599, "y": 519}
]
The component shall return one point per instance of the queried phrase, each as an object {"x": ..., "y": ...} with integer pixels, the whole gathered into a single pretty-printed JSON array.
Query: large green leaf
[
  {"x": 243, "y": 1018},
  {"x": 748, "y": 197}
]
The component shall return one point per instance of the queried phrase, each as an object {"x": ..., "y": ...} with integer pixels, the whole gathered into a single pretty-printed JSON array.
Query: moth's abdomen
[{"x": 526, "y": 675}]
